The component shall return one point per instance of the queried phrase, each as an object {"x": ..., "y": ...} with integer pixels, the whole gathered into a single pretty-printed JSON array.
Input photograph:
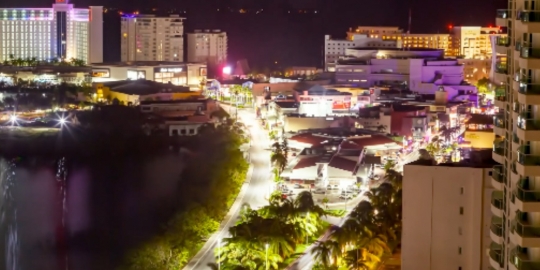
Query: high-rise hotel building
[
  {"x": 516, "y": 236},
  {"x": 62, "y": 32},
  {"x": 152, "y": 38}
]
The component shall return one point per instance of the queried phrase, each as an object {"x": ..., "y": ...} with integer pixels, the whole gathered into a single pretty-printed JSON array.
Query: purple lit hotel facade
[{"x": 61, "y": 32}]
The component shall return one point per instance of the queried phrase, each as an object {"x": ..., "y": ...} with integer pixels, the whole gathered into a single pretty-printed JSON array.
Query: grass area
[{"x": 335, "y": 212}]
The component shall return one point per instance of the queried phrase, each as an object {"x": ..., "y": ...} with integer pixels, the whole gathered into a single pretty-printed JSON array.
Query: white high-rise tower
[{"x": 61, "y": 32}]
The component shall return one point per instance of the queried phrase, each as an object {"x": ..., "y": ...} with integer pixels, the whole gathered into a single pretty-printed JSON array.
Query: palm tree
[
  {"x": 374, "y": 242},
  {"x": 279, "y": 160},
  {"x": 327, "y": 253},
  {"x": 360, "y": 259},
  {"x": 395, "y": 178},
  {"x": 304, "y": 202}
]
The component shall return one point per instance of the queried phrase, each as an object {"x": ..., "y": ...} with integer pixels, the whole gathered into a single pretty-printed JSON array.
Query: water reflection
[{"x": 69, "y": 214}]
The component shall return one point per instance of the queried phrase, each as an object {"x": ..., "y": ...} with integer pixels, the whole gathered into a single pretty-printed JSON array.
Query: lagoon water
[{"x": 63, "y": 213}]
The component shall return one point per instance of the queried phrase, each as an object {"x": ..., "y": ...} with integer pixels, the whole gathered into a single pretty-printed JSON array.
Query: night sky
[{"x": 274, "y": 34}]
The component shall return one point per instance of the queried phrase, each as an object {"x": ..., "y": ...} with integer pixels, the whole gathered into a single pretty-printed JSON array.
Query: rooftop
[
  {"x": 177, "y": 101},
  {"x": 360, "y": 142},
  {"x": 481, "y": 119},
  {"x": 145, "y": 63},
  {"x": 144, "y": 87},
  {"x": 342, "y": 163},
  {"x": 307, "y": 162}
]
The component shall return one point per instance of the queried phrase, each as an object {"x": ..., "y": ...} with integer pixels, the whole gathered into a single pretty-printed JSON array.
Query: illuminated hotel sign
[{"x": 173, "y": 70}]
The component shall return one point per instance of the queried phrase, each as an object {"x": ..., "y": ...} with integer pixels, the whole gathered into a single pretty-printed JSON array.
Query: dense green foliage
[
  {"x": 273, "y": 232},
  {"x": 214, "y": 174},
  {"x": 371, "y": 232}
]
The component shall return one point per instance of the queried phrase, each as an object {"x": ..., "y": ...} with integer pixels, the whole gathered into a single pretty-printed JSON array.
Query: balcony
[
  {"x": 521, "y": 261},
  {"x": 525, "y": 234},
  {"x": 515, "y": 110},
  {"x": 496, "y": 230},
  {"x": 528, "y": 129},
  {"x": 497, "y": 203},
  {"x": 500, "y": 96},
  {"x": 501, "y": 44},
  {"x": 499, "y": 124},
  {"x": 498, "y": 177},
  {"x": 526, "y": 199},
  {"x": 528, "y": 21},
  {"x": 529, "y": 93},
  {"x": 501, "y": 70},
  {"x": 529, "y": 57},
  {"x": 498, "y": 152},
  {"x": 496, "y": 258},
  {"x": 527, "y": 164},
  {"x": 502, "y": 17}
]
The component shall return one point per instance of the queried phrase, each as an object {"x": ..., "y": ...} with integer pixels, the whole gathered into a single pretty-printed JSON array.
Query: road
[
  {"x": 306, "y": 261},
  {"x": 260, "y": 188},
  {"x": 261, "y": 183}
]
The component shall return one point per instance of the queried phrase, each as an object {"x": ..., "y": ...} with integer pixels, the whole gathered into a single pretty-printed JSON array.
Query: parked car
[
  {"x": 319, "y": 191},
  {"x": 345, "y": 196},
  {"x": 297, "y": 186}
]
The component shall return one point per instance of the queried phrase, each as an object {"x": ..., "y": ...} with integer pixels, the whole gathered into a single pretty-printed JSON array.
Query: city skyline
[{"x": 301, "y": 35}]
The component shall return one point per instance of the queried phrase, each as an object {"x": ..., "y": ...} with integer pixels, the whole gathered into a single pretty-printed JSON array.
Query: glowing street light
[
  {"x": 219, "y": 254},
  {"x": 266, "y": 246},
  {"x": 13, "y": 118}
]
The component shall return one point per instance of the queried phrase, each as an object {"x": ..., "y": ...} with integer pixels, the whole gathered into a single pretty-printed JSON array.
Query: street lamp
[
  {"x": 307, "y": 217},
  {"x": 266, "y": 246},
  {"x": 219, "y": 254}
]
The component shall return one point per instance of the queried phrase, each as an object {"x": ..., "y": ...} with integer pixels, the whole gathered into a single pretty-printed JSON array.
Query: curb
[{"x": 194, "y": 262}]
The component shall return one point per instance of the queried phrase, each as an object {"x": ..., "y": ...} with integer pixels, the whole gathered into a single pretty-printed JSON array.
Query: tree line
[{"x": 215, "y": 172}]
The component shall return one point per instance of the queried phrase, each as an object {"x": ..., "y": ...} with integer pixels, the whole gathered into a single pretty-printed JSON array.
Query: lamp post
[
  {"x": 219, "y": 254},
  {"x": 307, "y": 217},
  {"x": 266, "y": 246}
]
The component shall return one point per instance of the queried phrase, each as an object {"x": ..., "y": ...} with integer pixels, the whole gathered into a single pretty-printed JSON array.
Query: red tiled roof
[
  {"x": 361, "y": 142},
  {"x": 307, "y": 162},
  {"x": 342, "y": 163},
  {"x": 308, "y": 138}
]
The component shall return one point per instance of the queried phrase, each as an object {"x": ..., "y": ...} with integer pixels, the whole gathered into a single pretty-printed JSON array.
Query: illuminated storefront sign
[
  {"x": 170, "y": 70},
  {"x": 101, "y": 73},
  {"x": 136, "y": 74}
]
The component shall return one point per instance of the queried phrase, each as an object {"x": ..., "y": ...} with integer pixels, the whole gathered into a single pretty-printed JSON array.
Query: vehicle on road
[
  {"x": 345, "y": 196},
  {"x": 319, "y": 191},
  {"x": 297, "y": 186}
]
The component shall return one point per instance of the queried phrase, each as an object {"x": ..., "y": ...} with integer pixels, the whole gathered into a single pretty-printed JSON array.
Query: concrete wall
[
  {"x": 480, "y": 139},
  {"x": 295, "y": 124},
  {"x": 436, "y": 234}
]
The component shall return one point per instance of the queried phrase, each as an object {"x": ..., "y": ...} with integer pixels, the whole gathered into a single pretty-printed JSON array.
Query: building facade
[
  {"x": 334, "y": 49},
  {"x": 60, "y": 32},
  {"x": 185, "y": 74},
  {"x": 516, "y": 244},
  {"x": 209, "y": 46},
  {"x": 473, "y": 41},
  {"x": 446, "y": 219},
  {"x": 421, "y": 70},
  {"x": 151, "y": 38}
]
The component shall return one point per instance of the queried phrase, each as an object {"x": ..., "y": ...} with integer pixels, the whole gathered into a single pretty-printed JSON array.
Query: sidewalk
[{"x": 224, "y": 223}]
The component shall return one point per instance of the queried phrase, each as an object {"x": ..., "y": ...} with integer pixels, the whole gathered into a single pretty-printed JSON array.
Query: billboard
[{"x": 341, "y": 103}]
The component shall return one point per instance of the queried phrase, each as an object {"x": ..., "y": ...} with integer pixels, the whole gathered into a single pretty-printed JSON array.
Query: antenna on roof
[{"x": 410, "y": 19}]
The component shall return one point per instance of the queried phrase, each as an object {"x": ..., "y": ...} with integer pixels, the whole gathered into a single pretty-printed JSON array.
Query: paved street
[
  {"x": 261, "y": 186},
  {"x": 261, "y": 183}
]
